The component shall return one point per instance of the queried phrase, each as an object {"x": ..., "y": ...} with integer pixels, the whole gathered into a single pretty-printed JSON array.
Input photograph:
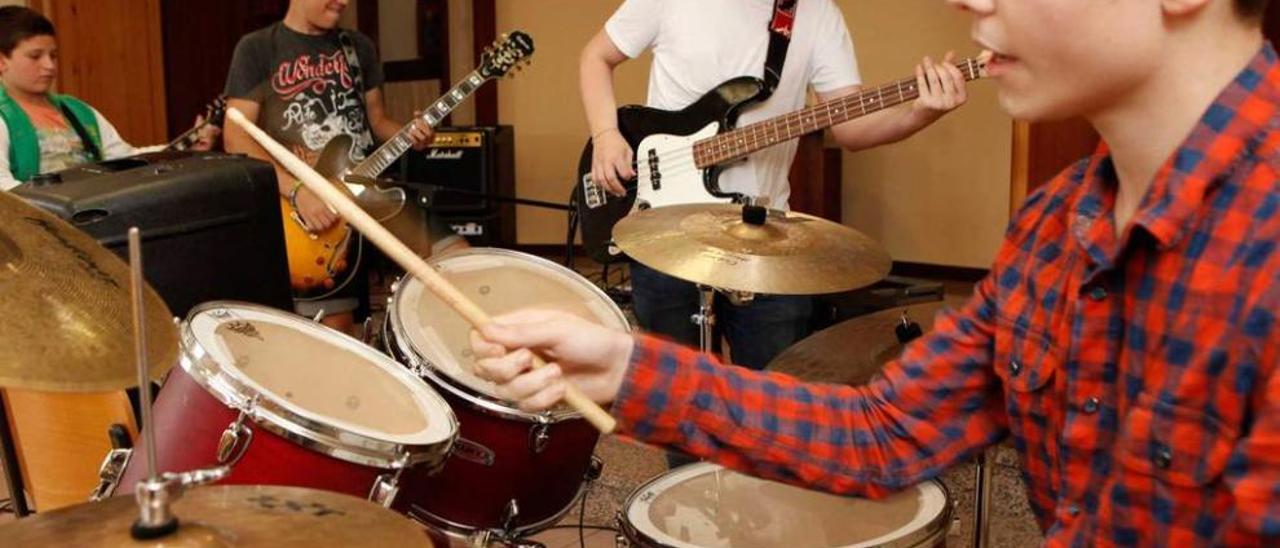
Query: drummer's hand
[{"x": 593, "y": 357}]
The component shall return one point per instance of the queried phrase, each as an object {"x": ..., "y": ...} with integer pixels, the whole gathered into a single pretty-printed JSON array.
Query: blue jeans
[{"x": 756, "y": 332}]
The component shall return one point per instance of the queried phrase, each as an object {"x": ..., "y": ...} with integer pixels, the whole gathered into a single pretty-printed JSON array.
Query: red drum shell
[{"x": 189, "y": 424}]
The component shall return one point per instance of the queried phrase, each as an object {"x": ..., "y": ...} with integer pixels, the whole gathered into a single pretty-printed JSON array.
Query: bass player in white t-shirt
[{"x": 697, "y": 45}]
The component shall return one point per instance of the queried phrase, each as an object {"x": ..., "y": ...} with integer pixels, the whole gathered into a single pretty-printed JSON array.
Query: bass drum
[
  {"x": 704, "y": 505},
  {"x": 511, "y": 472}
]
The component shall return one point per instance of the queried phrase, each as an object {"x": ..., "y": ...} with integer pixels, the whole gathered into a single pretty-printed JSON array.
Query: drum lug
[
  {"x": 385, "y": 489},
  {"x": 540, "y": 434},
  {"x": 109, "y": 473},
  {"x": 509, "y": 515},
  {"x": 620, "y": 539},
  {"x": 387, "y": 486},
  {"x": 230, "y": 448}
]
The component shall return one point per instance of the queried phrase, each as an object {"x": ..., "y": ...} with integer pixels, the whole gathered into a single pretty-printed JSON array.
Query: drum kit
[{"x": 315, "y": 437}]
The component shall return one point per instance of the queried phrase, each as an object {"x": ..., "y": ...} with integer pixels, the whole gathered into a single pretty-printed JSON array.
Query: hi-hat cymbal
[
  {"x": 67, "y": 323},
  {"x": 852, "y": 351},
  {"x": 789, "y": 254},
  {"x": 227, "y": 515}
]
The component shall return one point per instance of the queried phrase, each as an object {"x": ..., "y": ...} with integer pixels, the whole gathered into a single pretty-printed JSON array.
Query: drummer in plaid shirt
[{"x": 1126, "y": 337}]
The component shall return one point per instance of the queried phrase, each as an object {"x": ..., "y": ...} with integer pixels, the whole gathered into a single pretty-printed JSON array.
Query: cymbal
[
  {"x": 853, "y": 351},
  {"x": 67, "y": 323},
  {"x": 227, "y": 515},
  {"x": 789, "y": 254}
]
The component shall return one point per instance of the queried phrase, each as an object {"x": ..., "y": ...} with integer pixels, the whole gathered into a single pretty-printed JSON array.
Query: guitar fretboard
[
  {"x": 742, "y": 141},
  {"x": 390, "y": 151}
]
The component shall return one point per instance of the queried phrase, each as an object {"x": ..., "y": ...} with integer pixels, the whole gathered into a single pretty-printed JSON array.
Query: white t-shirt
[{"x": 699, "y": 44}]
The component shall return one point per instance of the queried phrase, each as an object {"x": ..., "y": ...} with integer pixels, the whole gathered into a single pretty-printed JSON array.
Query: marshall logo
[
  {"x": 438, "y": 154},
  {"x": 291, "y": 77}
]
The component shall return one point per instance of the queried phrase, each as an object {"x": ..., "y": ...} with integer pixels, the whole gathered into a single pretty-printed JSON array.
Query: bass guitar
[
  {"x": 679, "y": 154},
  {"x": 318, "y": 259}
]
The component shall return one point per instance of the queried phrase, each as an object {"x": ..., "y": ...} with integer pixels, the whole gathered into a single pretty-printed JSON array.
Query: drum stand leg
[
  {"x": 9, "y": 460},
  {"x": 705, "y": 319},
  {"x": 981, "y": 499}
]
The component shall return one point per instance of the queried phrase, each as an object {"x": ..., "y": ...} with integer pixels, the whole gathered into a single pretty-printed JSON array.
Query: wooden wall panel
[
  {"x": 111, "y": 56},
  {"x": 199, "y": 38},
  {"x": 1043, "y": 149}
]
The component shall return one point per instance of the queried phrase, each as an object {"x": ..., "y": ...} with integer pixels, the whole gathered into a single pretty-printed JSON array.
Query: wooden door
[
  {"x": 1042, "y": 149},
  {"x": 110, "y": 56}
]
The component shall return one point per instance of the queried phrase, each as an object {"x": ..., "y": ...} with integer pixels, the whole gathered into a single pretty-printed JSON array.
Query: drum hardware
[
  {"x": 387, "y": 486},
  {"x": 538, "y": 435},
  {"x": 319, "y": 316},
  {"x": 509, "y": 515},
  {"x": 229, "y": 442},
  {"x": 109, "y": 473},
  {"x": 907, "y": 330},
  {"x": 157, "y": 492},
  {"x": 405, "y": 257}
]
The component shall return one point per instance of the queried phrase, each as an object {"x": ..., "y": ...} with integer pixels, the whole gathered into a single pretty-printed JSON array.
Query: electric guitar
[
  {"x": 213, "y": 114},
  {"x": 317, "y": 259},
  {"x": 679, "y": 154}
]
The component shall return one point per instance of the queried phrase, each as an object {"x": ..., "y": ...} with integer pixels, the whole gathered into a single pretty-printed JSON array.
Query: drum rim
[
  {"x": 299, "y": 428},
  {"x": 424, "y": 366},
  {"x": 928, "y": 535}
]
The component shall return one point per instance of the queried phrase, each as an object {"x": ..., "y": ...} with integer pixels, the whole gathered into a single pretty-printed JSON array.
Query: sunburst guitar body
[{"x": 318, "y": 261}]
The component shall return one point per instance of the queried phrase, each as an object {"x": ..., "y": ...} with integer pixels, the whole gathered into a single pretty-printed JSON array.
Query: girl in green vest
[{"x": 42, "y": 131}]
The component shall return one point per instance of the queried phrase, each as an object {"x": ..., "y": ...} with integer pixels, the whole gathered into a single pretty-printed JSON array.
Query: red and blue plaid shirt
[{"x": 1137, "y": 375}]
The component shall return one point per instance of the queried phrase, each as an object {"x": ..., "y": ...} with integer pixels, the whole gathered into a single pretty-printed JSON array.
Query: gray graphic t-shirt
[{"x": 305, "y": 86}]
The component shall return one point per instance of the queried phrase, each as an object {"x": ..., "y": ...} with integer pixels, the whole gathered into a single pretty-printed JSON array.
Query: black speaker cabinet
[
  {"x": 210, "y": 222},
  {"x": 469, "y": 159}
]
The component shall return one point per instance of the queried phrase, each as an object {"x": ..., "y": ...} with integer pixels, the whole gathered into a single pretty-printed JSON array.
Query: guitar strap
[
  {"x": 780, "y": 24},
  {"x": 89, "y": 145},
  {"x": 353, "y": 61}
]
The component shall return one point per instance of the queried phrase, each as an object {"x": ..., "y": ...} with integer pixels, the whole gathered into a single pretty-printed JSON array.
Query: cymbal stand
[
  {"x": 705, "y": 318},
  {"x": 157, "y": 492},
  {"x": 982, "y": 468}
]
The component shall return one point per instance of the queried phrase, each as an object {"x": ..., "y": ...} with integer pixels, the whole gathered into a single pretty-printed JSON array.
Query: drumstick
[{"x": 401, "y": 254}]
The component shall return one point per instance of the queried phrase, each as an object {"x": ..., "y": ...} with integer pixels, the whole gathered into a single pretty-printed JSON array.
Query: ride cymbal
[
  {"x": 227, "y": 515},
  {"x": 722, "y": 246},
  {"x": 852, "y": 351},
  {"x": 67, "y": 322}
]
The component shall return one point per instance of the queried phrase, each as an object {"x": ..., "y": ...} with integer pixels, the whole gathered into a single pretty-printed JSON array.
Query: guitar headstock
[
  {"x": 216, "y": 110},
  {"x": 510, "y": 51}
]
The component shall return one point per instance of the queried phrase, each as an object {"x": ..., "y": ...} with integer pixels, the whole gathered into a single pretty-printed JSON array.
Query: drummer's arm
[{"x": 928, "y": 411}]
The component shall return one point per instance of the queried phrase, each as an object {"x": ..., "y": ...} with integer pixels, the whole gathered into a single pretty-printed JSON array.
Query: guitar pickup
[
  {"x": 655, "y": 175},
  {"x": 592, "y": 193}
]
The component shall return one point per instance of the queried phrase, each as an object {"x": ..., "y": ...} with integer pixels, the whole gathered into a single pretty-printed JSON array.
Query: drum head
[
  {"x": 317, "y": 382},
  {"x": 706, "y": 505},
  {"x": 498, "y": 281}
]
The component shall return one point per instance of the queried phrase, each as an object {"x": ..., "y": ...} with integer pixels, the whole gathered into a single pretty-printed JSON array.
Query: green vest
[{"x": 24, "y": 146}]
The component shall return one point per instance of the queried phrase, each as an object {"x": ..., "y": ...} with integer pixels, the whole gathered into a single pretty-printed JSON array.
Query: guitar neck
[
  {"x": 745, "y": 140},
  {"x": 390, "y": 151}
]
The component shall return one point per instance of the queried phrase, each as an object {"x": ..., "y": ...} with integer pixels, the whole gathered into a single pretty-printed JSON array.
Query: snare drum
[
  {"x": 510, "y": 471},
  {"x": 704, "y": 505},
  {"x": 287, "y": 401}
]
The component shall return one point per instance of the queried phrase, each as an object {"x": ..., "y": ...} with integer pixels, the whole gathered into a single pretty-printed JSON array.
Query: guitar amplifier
[
  {"x": 470, "y": 159},
  {"x": 210, "y": 222}
]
